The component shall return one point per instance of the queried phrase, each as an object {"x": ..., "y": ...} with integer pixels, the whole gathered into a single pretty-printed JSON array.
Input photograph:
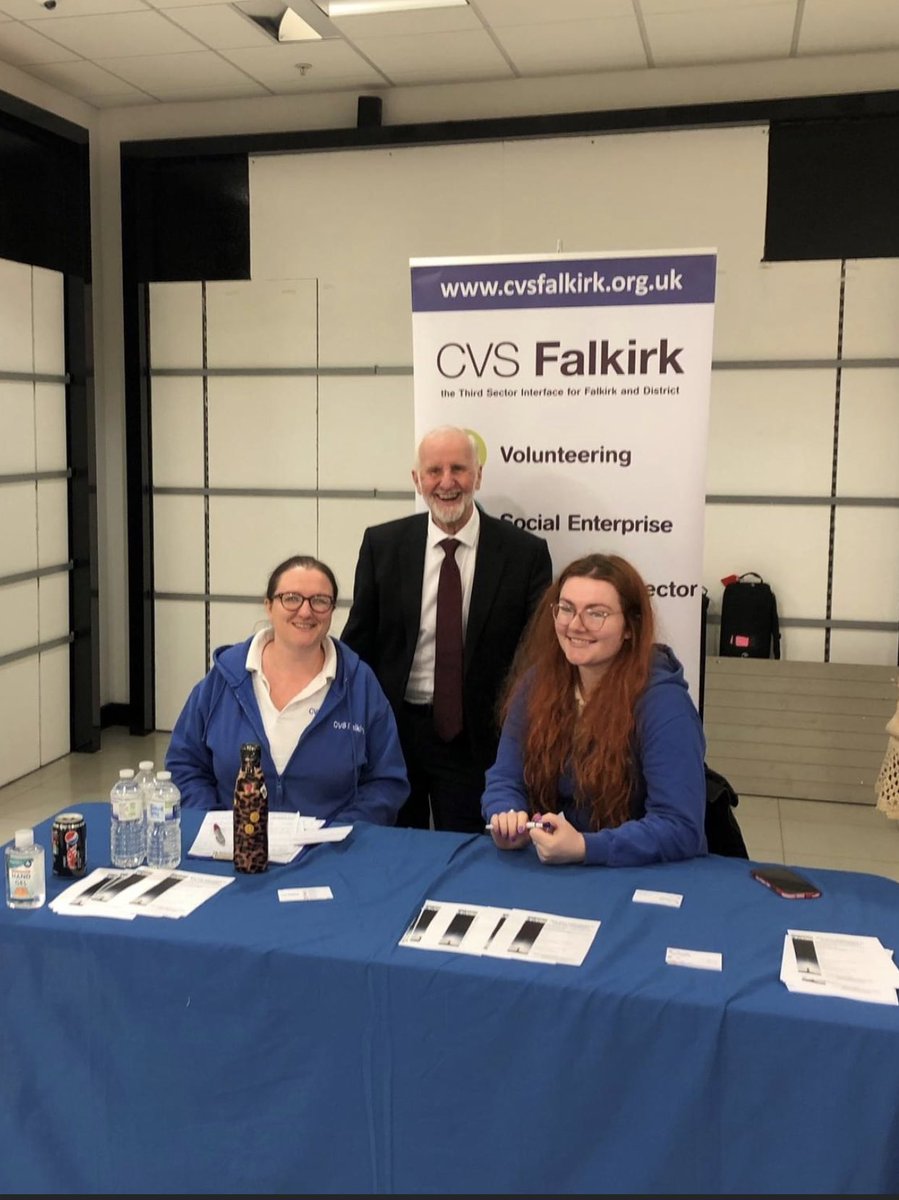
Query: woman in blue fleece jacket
[
  {"x": 328, "y": 735},
  {"x": 601, "y": 743}
]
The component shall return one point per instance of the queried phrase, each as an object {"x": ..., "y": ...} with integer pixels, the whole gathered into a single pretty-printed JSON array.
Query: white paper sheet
[
  {"x": 500, "y": 933},
  {"x": 856, "y": 967},
  {"x": 288, "y": 833},
  {"x": 123, "y": 895}
]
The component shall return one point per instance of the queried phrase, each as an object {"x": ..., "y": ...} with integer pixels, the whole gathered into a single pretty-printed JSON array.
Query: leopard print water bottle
[{"x": 250, "y": 812}]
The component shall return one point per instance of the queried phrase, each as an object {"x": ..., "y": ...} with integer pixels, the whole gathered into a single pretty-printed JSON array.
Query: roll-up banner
[{"x": 585, "y": 379}]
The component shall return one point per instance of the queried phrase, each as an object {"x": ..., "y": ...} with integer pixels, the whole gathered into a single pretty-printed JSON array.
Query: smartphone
[{"x": 786, "y": 883}]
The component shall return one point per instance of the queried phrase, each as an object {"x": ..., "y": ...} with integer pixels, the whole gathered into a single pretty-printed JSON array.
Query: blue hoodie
[
  {"x": 347, "y": 766},
  {"x": 668, "y": 801}
]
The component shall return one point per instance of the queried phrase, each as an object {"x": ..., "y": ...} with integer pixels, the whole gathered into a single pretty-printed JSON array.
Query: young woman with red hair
[{"x": 601, "y": 746}]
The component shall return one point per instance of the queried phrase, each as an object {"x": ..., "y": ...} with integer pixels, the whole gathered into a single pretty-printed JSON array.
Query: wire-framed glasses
[
  {"x": 592, "y": 619},
  {"x": 292, "y": 601}
]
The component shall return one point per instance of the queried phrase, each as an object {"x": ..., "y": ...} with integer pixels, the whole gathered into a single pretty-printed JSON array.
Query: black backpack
[{"x": 749, "y": 624}]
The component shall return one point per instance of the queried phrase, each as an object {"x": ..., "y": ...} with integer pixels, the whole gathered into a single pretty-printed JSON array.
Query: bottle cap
[
  {"x": 146, "y": 765},
  {"x": 24, "y": 838},
  {"x": 126, "y": 773},
  {"x": 163, "y": 776}
]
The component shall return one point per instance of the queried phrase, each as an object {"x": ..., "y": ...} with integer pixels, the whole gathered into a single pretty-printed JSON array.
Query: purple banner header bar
[{"x": 565, "y": 283}]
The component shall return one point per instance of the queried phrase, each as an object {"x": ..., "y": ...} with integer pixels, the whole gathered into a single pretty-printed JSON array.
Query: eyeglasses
[
  {"x": 592, "y": 619},
  {"x": 293, "y": 601}
]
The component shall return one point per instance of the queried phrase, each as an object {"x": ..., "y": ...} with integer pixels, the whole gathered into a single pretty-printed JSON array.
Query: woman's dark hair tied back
[{"x": 308, "y": 563}]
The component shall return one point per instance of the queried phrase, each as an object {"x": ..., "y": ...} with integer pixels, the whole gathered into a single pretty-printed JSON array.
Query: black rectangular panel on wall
[
  {"x": 832, "y": 189},
  {"x": 188, "y": 218},
  {"x": 44, "y": 219}
]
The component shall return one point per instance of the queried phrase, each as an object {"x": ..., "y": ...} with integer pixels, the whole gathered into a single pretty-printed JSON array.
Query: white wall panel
[
  {"x": 18, "y": 616},
  {"x": 51, "y": 450},
  {"x": 771, "y": 432},
  {"x": 868, "y": 462},
  {"x": 871, "y": 319},
  {"x": 16, "y": 339},
  {"x": 366, "y": 233},
  {"x": 19, "y": 509},
  {"x": 366, "y": 432},
  {"x": 787, "y": 546},
  {"x": 866, "y": 564},
  {"x": 341, "y": 526},
  {"x": 20, "y": 718},
  {"x": 178, "y": 456},
  {"x": 863, "y": 646},
  {"x": 259, "y": 323},
  {"x": 250, "y": 535},
  {"x": 176, "y": 325},
  {"x": 777, "y": 310},
  {"x": 54, "y": 711},
  {"x": 52, "y": 522},
  {"x": 17, "y": 453},
  {"x": 713, "y": 182},
  {"x": 48, "y": 299},
  {"x": 230, "y": 624},
  {"x": 262, "y": 432},
  {"x": 802, "y": 645},
  {"x": 178, "y": 544},
  {"x": 180, "y": 660},
  {"x": 53, "y": 607}
]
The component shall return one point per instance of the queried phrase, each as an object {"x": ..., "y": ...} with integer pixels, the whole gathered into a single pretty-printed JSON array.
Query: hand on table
[
  {"x": 509, "y": 830},
  {"x": 560, "y": 844}
]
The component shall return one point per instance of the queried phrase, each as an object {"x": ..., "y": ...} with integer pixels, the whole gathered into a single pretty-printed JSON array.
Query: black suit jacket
[{"x": 512, "y": 571}]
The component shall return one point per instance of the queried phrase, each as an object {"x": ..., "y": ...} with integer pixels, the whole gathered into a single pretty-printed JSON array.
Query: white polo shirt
[{"x": 285, "y": 727}]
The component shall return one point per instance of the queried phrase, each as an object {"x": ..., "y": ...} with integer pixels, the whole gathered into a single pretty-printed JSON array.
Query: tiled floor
[{"x": 845, "y": 837}]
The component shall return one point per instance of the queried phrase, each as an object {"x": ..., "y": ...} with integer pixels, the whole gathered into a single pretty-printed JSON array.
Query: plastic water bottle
[
  {"x": 26, "y": 878},
  {"x": 127, "y": 829},
  {"x": 163, "y": 822},
  {"x": 146, "y": 779}
]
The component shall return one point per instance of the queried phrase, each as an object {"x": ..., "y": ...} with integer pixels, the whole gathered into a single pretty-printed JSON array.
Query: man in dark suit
[{"x": 392, "y": 625}]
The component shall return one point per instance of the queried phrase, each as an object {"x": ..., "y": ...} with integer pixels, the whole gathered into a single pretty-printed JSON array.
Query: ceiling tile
[
  {"x": 32, "y": 10},
  {"x": 839, "y": 26},
  {"x": 576, "y": 46},
  {"x": 500, "y": 13},
  {"x": 673, "y": 7},
  {"x": 20, "y": 45},
  {"x": 121, "y": 34},
  {"x": 741, "y": 33},
  {"x": 163, "y": 4},
  {"x": 276, "y": 66},
  {"x": 437, "y": 57},
  {"x": 84, "y": 79},
  {"x": 221, "y": 27},
  {"x": 156, "y": 73},
  {"x": 421, "y": 20}
]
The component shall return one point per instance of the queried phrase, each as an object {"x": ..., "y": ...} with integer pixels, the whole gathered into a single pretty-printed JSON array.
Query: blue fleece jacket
[
  {"x": 668, "y": 801},
  {"x": 347, "y": 766}
]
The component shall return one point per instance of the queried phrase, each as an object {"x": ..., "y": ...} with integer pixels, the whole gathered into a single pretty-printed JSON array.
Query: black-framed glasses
[
  {"x": 293, "y": 601},
  {"x": 592, "y": 619}
]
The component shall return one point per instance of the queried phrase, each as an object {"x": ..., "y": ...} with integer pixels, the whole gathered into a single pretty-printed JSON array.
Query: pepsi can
[{"x": 68, "y": 839}]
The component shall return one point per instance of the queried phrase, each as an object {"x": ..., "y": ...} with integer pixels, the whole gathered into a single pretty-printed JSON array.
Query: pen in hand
[{"x": 544, "y": 825}]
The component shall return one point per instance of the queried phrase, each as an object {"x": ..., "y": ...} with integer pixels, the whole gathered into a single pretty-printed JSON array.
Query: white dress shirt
[{"x": 420, "y": 687}]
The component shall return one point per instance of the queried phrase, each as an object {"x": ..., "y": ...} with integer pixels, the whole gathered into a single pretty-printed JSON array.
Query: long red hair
[{"x": 595, "y": 746}]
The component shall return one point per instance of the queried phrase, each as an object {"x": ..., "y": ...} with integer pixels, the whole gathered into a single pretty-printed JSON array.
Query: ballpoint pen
[
  {"x": 544, "y": 825},
  {"x": 219, "y": 836}
]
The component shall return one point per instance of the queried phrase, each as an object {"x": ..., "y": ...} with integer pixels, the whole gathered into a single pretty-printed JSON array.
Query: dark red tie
[{"x": 448, "y": 661}]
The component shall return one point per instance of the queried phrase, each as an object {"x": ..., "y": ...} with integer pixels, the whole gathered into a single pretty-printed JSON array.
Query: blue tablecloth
[{"x": 261, "y": 1047}]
